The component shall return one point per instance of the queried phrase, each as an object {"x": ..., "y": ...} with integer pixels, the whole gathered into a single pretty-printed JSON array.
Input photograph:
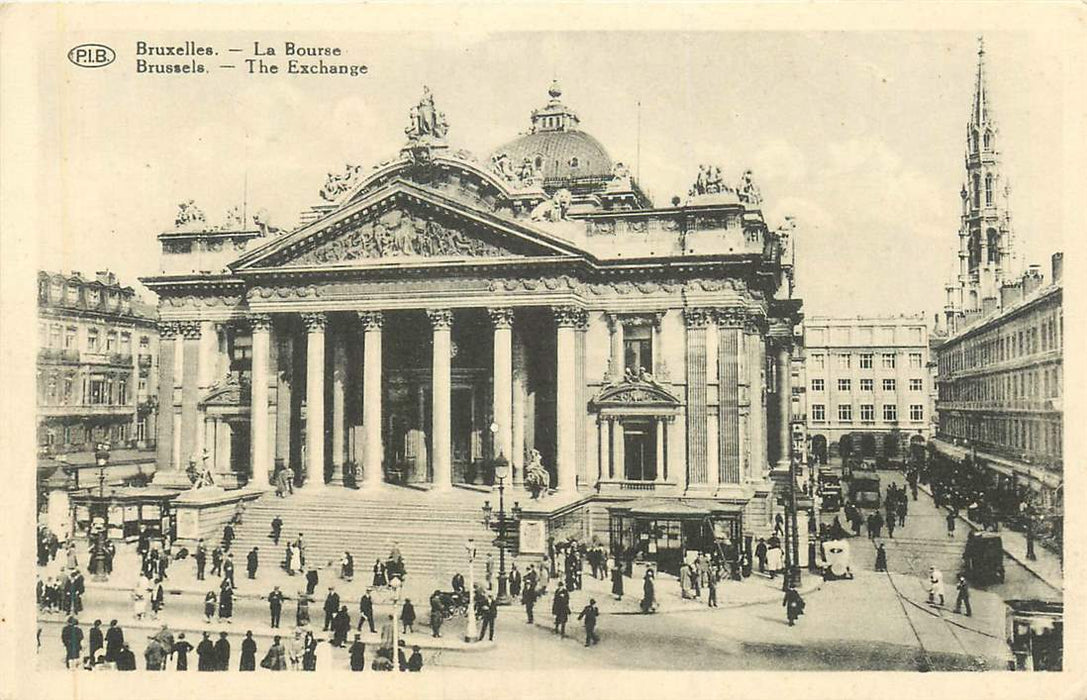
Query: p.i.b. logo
[{"x": 92, "y": 55}]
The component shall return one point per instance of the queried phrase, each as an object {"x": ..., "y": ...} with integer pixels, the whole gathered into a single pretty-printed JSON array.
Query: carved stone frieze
[
  {"x": 399, "y": 233},
  {"x": 732, "y": 316},
  {"x": 283, "y": 292},
  {"x": 201, "y": 301}
]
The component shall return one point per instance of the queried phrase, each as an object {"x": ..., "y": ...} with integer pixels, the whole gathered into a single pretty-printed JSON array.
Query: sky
[{"x": 858, "y": 135}]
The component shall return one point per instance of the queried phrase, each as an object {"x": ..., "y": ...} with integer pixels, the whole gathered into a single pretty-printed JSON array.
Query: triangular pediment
[
  {"x": 635, "y": 392},
  {"x": 404, "y": 223}
]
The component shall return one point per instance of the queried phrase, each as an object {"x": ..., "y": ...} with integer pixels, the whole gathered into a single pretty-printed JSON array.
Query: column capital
[
  {"x": 732, "y": 316},
  {"x": 168, "y": 330},
  {"x": 570, "y": 317},
  {"x": 189, "y": 330},
  {"x": 440, "y": 319},
  {"x": 315, "y": 321},
  {"x": 501, "y": 317},
  {"x": 371, "y": 320},
  {"x": 696, "y": 317},
  {"x": 259, "y": 322},
  {"x": 756, "y": 323}
]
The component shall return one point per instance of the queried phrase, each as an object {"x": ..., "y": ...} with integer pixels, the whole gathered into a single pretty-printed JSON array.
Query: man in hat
[
  {"x": 589, "y": 615},
  {"x": 963, "y": 595},
  {"x": 357, "y": 654},
  {"x": 332, "y": 606},
  {"x": 252, "y": 560},
  {"x": 222, "y": 653},
  {"x": 366, "y": 610},
  {"x": 275, "y": 606},
  {"x": 72, "y": 637}
]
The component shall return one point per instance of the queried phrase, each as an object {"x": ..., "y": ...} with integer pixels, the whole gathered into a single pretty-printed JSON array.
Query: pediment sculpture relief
[{"x": 398, "y": 233}]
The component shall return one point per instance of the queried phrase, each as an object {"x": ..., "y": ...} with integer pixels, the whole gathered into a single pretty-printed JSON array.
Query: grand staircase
[{"x": 431, "y": 529}]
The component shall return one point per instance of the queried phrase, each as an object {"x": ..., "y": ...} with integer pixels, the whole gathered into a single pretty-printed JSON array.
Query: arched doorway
[
  {"x": 819, "y": 448},
  {"x": 868, "y": 445},
  {"x": 845, "y": 446}
]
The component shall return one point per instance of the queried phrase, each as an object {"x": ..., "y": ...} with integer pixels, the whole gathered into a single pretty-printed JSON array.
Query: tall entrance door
[{"x": 640, "y": 451}]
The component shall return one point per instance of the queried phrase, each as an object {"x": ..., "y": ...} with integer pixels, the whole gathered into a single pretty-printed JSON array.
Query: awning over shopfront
[
  {"x": 676, "y": 508},
  {"x": 1008, "y": 467}
]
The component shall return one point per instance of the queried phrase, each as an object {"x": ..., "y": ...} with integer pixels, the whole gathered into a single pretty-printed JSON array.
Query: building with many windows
[
  {"x": 96, "y": 369},
  {"x": 437, "y": 313},
  {"x": 1000, "y": 368},
  {"x": 868, "y": 385}
]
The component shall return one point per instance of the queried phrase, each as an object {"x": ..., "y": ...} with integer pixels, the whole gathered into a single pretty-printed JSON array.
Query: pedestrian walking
[
  {"x": 275, "y": 606},
  {"x": 217, "y": 561},
  {"x": 951, "y": 517},
  {"x": 891, "y": 526},
  {"x": 437, "y": 613},
  {"x": 201, "y": 558},
  {"x": 935, "y": 586},
  {"x": 760, "y": 555},
  {"x": 366, "y": 611},
  {"x": 649, "y": 599},
  {"x": 248, "y": 659},
  {"x": 589, "y": 614},
  {"x": 226, "y": 601},
  {"x": 711, "y": 587},
  {"x": 95, "y": 640},
  {"x": 331, "y": 606},
  {"x": 311, "y": 580},
  {"x": 962, "y": 597},
  {"x": 228, "y": 569},
  {"x": 252, "y": 561},
  {"x": 301, "y": 613},
  {"x": 560, "y": 609},
  {"x": 72, "y": 638},
  {"x": 275, "y": 659},
  {"x": 407, "y": 616},
  {"x": 347, "y": 566},
  {"x": 794, "y": 605},
  {"x": 181, "y": 650},
  {"x": 277, "y": 530},
  {"x": 881, "y": 558},
  {"x": 341, "y": 627},
  {"x": 490, "y": 614},
  {"x": 115, "y": 641},
  {"x": 901, "y": 510},
  {"x": 357, "y": 654},
  {"x": 528, "y": 598},
  {"x": 205, "y": 654},
  {"x": 222, "y": 653},
  {"x": 617, "y": 579}
]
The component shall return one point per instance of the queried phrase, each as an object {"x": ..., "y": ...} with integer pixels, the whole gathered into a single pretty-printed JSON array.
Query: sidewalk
[{"x": 1046, "y": 565}]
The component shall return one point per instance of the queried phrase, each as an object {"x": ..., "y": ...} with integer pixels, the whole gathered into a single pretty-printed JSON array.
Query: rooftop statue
[
  {"x": 260, "y": 220},
  {"x": 425, "y": 120},
  {"x": 189, "y": 216},
  {"x": 709, "y": 181},
  {"x": 553, "y": 209},
  {"x": 337, "y": 184},
  {"x": 749, "y": 191}
]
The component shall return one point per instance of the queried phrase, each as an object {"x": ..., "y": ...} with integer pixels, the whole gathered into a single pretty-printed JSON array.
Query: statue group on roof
[
  {"x": 709, "y": 181},
  {"x": 426, "y": 119}
]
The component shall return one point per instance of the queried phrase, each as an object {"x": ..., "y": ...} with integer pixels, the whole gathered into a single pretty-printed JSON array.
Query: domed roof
[
  {"x": 555, "y": 145},
  {"x": 560, "y": 154}
]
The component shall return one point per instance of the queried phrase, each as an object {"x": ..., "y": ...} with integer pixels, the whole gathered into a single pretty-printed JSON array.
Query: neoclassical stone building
[{"x": 436, "y": 311}]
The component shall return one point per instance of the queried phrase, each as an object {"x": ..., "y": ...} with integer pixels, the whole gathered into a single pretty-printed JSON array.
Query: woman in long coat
[
  {"x": 275, "y": 659},
  {"x": 649, "y": 600},
  {"x": 301, "y": 617},
  {"x": 249, "y": 654},
  {"x": 617, "y": 579},
  {"x": 226, "y": 600},
  {"x": 379, "y": 575},
  {"x": 794, "y": 605},
  {"x": 309, "y": 653}
]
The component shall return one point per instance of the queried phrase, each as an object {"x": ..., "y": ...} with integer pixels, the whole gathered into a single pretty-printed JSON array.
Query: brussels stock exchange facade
[{"x": 438, "y": 312}]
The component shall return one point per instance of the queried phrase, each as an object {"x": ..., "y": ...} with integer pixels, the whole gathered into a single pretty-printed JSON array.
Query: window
[
  {"x": 866, "y": 360},
  {"x": 866, "y": 384},
  {"x": 638, "y": 348},
  {"x": 845, "y": 413},
  {"x": 844, "y": 361},
  {"x": 817, "y": 385},
  {"x": 573, "y": 162},
  {"x": 92, "y": 340},
  {"x": 54, "y": 336},
  {"x": 111, "y": 341},
  {"x": 99, "y": 394},
  {"x": 126, "y": 343},
  {"x": 988, "y": 190},
  {"x": 915, "y": 360},
  {"x": 888, "y": 385},
  {"x": 67, "y": 397},
  {"x": 92, "y": 297},
  {"x": 868, "y": 412},
  {"x": 818, "y": 412},
  {"x": 888, "y": 360},
  {"x": 890, "y": 412},
  {"x": 917, "y": 412},
  {"x": 72, "y": 294},
  {"x": 70, "y": 338},
  {"x": 145, "y": 342},
  {"x": 843, "y": 385},
  {"x": 818, "y": 362},
  {"x": 917, "y": 385},
  {"x": 122, "y": 391}
]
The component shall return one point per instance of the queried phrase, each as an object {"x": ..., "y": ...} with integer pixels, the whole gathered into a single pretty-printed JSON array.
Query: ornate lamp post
[
  {"x": 98, "y": 558},
  {"x": 502, "y": 472}
]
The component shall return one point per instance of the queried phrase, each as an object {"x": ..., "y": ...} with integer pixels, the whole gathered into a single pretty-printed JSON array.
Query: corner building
[{"x": 437, "y": 311}]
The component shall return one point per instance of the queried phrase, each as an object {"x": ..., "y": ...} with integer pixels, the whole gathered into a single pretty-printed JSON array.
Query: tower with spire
[{"x": 986, "y": 250}]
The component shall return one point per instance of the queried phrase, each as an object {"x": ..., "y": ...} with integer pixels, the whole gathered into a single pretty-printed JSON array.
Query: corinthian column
[
  {"x": 190, "y": 391},
  {"x": 503, "y": 381},
  {"x": 567, "y": 319},
  {"x": 784, "y": 372},
  {"x": 260, "y": 462},
  {"x": 372, "y": 453},
  {"x": 315, "y": 396},
  {"x": 164, "y": 433},
  {"x": 441, "y": 435},
  {"x": 339, "y": 381}
]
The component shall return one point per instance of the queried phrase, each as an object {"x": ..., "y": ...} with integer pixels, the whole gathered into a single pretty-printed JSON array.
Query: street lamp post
[
  {"x": 98, "y": 560},
  {"x": 470, "y": 631},
  {"x": 501, "y": 471}
]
